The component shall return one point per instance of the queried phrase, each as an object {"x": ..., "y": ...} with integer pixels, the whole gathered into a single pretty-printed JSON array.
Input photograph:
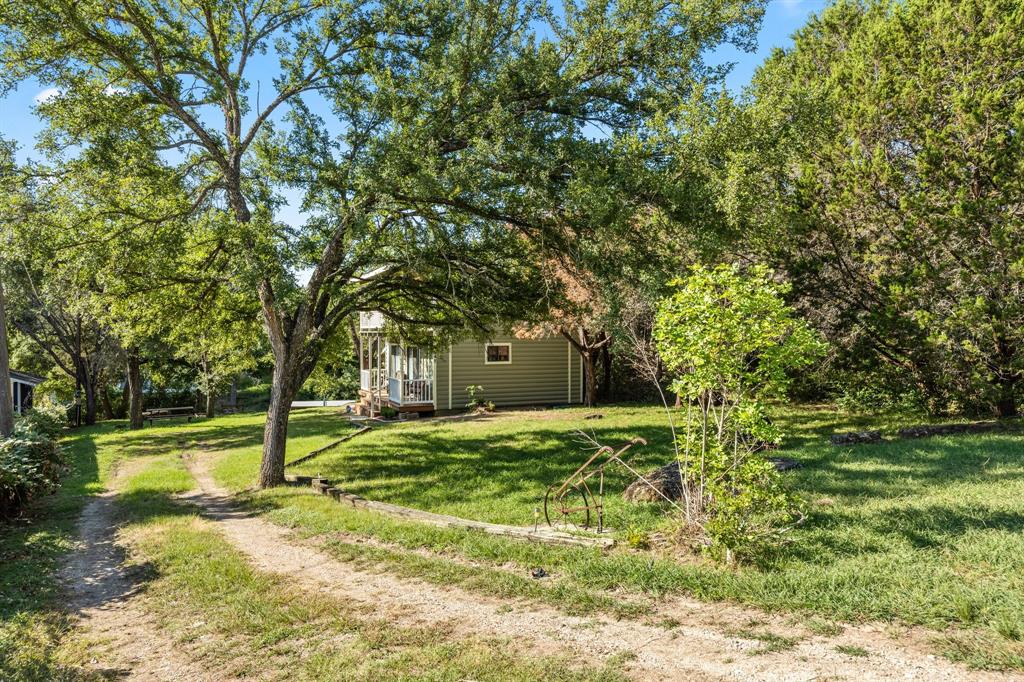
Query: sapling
[{"x": 730, "y": 343}]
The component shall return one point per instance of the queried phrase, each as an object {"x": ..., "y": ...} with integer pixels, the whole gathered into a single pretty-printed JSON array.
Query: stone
[
  {"x": 667, "y": 480},
  {"x": 784, "y": 464},
  {"x": 856, "y": 437}
]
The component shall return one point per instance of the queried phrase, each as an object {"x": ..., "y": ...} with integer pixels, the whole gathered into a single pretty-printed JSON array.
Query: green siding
[
  {"x": 441, "y": 383},
  {"x": 577, "y": 377},
  {"x": 542, "y": 371}
]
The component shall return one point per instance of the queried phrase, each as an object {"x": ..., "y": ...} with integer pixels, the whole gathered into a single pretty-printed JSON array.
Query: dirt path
[
  {"x": 699, "y": 646},
  {"x": 124, "y": 641}
]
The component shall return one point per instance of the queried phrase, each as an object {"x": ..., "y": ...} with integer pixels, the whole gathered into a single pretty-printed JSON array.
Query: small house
[
  {"x": 23, "y": 387},
  {"x": 510, "y": 370}
]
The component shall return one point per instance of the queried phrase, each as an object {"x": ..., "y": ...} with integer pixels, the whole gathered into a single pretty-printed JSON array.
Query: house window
[{"x": 498, "y": 354}]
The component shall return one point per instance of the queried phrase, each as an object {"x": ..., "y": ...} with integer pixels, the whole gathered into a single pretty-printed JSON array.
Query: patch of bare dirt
[
  {"x": 123, "y": 640},
  {"x": 695, "y": 641}
]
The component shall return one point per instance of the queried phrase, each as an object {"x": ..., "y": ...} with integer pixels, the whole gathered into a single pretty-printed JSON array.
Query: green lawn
[
  {"x": 927, "y": 531},
  {"x": 924, "y": 532},
  {"x": 228, "y": 617},
  {"x": 31, "y": 623}
]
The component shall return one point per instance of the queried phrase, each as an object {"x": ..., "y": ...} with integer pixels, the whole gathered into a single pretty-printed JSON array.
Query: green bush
[
  {"x": 45, "y": 420},
  {"x": 731, "y": 344},
  {"x": 31, "y": 461}
]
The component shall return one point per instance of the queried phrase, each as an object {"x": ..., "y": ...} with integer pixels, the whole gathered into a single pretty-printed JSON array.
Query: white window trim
[{"x": 498, "y": 362}]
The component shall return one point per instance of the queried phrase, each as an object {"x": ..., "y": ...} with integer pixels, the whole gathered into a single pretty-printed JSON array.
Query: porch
[{"x": 393, "y": 375}]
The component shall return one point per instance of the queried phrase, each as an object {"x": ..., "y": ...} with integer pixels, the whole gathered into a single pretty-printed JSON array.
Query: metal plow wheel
[{"x": 567, "y": 507}]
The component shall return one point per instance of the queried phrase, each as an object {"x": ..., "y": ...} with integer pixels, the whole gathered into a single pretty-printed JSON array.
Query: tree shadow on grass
[
  {"x": 434, "y": 469},
  {"x": 501, "y": 476}
]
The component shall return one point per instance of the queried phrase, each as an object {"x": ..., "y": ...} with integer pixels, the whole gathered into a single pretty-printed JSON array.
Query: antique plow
[{"x": 572, "y": 503}]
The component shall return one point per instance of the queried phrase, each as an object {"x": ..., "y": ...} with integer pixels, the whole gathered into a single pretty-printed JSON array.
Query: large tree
[
  {"x": 880, "y": 161},
  {"x": 8, "y": 192},
  {"x": 436, "y": 143}
]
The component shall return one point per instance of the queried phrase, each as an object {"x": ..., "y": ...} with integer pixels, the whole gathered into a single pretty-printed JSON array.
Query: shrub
[
  {"x": 46, "y": 420},
  {"x": 30, "y": 466},
  {"x": 475, "y": 401},
  {"x": 31, "y": 461},
  {"x": 731, "y": 344}
]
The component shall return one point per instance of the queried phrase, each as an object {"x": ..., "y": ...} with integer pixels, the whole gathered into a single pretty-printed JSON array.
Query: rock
[
  {"x": 784, "y": 464},
  {"x": 666, "y": 479},
  {"x": 856, "y": 437}
]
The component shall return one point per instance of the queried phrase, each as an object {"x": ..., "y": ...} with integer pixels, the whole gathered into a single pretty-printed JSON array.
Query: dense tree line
[{"x": 877, "y": 164}]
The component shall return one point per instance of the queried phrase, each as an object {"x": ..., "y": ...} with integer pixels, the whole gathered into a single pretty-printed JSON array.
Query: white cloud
[{"x": 46, "y": 95}]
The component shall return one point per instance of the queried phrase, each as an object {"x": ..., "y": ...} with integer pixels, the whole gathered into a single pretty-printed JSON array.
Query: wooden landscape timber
[
  {"x": 332, "y": 444},
  {"x": 923, "y": 431},
  {"x": 546, "y": 535}
]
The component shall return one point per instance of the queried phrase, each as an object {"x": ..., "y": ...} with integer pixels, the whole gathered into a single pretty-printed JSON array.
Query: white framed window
[{"x": 498, "y": 354}]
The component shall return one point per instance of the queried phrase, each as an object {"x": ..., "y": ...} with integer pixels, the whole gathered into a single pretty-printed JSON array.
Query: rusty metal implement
[{"x": 572, "y": 503}]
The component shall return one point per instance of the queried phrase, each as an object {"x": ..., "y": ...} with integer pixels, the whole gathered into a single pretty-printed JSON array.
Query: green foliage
[
  {"x": 336, "y": 376},
  {"x": 870, "y": 393},
  {"x": 731, "y": 342},
  {"x": 31, "y": 462},
  {"x": 476, "y": 401},
  {"x": 876, "y": 161},
  {"x": 46, "y": 420}
]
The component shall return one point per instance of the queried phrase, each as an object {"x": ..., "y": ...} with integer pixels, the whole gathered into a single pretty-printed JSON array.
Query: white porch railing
[{"x": 410, "y": 391}]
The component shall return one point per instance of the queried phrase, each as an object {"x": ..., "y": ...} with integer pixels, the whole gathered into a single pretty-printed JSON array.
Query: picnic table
[{"x": 169, "y": 413}]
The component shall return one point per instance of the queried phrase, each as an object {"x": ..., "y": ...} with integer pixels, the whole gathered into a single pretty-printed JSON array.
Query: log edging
[
  {"x": 546, "y": 535},
  {"x": 925, "y": 431},
  {"x": 329, "y": 446}
]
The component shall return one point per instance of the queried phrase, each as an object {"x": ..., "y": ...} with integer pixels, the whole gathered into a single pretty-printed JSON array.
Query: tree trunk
[
  {"x": 108, "y": 408},
  {"x": 275, "y": 433},
  {"x": 122, "y": 408},
  {"x": 208, "y": 385},
  {"x": 1006, "y": 404},
  {"x": 1007, "y": 378},
  {"x": 590, "y": 377},
  {"x": 89, "y": 389},
  {"x": 606, "y": 365},
  {"x": 134, "y": 384},
  {"x": 6, "y": 395},
  {"x": 233, "y": 395}
]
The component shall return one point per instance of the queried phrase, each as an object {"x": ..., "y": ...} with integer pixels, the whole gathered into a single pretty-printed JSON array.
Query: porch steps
[
  {"x": 547, "y": 535},
  {"x": 329, "y": 446}
]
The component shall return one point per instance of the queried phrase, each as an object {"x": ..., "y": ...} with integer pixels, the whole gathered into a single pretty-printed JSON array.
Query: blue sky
[{"x": 782, "y": 18}]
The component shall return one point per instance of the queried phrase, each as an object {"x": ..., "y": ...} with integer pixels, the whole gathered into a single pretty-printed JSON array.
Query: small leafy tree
[{"x": 730, "y": 342}]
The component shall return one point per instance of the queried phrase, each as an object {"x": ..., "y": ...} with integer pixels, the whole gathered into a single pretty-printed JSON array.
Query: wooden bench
[{"x": 169, "y": 413}]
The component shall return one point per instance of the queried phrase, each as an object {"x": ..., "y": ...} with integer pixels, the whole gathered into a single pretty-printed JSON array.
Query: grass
[
  {"x": 215, "y": 606},
  {"x": 927, "y": 532},
  {"x": 248, "y": 624},
  {"x": 245, "y": 623},
  {"x": 923, "y": 531},
  {"x": 31, "y": 623}
]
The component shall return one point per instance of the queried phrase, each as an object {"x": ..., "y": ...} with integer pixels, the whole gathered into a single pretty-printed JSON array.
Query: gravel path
[
  {"x": 702, "y": 643},
  {"x": 124, "y": 641}
]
